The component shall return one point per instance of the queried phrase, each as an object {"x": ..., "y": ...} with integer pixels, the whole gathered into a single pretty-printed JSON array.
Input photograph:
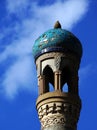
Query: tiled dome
[{"x": 57, "y": 40}]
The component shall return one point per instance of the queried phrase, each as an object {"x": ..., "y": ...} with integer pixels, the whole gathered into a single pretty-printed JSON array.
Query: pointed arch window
[
  {"x": 65, "y": 79},
  {"x": 65, "y": 88},
  {"x": 48, "y": 79}
]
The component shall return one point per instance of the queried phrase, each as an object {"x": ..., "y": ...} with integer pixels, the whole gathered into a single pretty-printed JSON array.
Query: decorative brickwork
[
  {"x": 62, "y": 109},
  {"x": 54, "y": 113}
]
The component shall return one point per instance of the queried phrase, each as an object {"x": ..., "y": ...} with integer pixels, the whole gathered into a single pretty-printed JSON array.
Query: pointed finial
[{"x": 57, "y": 25}]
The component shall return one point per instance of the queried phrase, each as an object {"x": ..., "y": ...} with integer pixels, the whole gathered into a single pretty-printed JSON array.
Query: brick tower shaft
[{"x": 57, "y": 56}]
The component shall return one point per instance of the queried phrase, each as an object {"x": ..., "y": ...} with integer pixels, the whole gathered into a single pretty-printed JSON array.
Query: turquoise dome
[{"x": 57, "y": 39}]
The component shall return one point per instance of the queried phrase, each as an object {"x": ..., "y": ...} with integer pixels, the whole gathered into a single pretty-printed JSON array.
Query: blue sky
[{"x": 21, "y": 22}]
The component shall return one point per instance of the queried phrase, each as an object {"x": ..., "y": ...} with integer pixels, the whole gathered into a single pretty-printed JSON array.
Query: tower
[{"x": 57, "y": 54}]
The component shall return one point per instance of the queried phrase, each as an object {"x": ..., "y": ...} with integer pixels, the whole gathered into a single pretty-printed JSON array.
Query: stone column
[{"x": 57, "y": 80}]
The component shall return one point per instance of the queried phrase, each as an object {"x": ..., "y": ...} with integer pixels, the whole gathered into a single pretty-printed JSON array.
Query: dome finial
[{"x": 57, "y": 25}]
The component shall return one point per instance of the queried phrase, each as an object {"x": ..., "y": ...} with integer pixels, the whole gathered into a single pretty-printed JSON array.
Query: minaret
[{"x": 57, "y": 54}]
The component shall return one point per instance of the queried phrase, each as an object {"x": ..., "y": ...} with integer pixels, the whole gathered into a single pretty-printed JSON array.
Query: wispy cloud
[
  {"x": 87, "y": 71},
  {"x": 15, "y": 6},
  {"x": 21, "y": 73},
  {"x": 67, "y": 12}
]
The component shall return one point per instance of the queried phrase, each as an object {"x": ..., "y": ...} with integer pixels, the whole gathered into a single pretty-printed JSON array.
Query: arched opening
[
  {"x": 51, "y": 87},
  {"x": 65, "y": 88},
  {"x": 65, "y": 79},
  {"x": 48, "y": 79}
]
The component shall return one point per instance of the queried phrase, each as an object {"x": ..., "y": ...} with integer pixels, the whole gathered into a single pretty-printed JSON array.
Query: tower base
[{"x": 58, "y": 110}]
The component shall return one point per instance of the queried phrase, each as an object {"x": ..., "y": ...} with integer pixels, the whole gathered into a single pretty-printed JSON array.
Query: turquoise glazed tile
[{"x": 56, "y": 39}]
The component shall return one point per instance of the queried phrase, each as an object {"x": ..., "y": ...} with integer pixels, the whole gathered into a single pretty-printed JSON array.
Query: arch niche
[{"x": 48, "y": 78}]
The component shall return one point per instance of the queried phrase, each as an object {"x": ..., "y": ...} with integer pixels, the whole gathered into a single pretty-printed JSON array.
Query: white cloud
[
  {"x": 14, "y": 6},
  {"x": 86, "y": 71},
  {"x": 67, "y": 12},
  {"x": 20, "y": 74}
]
